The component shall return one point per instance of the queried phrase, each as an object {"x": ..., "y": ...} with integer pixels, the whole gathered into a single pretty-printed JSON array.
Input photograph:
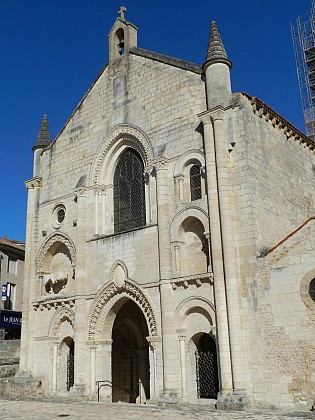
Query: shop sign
[{"x": 4, "y": 292}]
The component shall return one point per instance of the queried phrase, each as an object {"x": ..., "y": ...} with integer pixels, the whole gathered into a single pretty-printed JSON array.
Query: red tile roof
[{"x": 13, "y": 243}]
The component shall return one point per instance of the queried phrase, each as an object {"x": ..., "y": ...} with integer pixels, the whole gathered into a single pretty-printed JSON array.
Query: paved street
[{"x": 39, "y": 410}]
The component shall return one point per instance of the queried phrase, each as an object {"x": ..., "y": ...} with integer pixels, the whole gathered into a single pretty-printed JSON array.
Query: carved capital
[
  {"x": 217, "y": 114},
  {"x": 153, "y": 341},
  {"x": 35, "y": 182},
  {"x": 148, "y": 170},
  {"x": 177, "y": 244},
  {"x": 181, "y": 332}
]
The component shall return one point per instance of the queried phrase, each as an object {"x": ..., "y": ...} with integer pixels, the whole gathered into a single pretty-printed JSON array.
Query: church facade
[{"x": 170, "y": 241}]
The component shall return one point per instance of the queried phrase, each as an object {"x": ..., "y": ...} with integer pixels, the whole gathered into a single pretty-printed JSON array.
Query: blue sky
[{"x": 51, "y": 52}]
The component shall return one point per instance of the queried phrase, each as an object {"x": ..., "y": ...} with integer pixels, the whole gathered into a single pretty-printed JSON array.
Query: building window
[
  {"x": 10, "y": 300},
  {"x": 195, "y": 183},
  {"x": 12, "y": 262},
  {"x": 311, "y": 289},
  {"x": 61, "y": 215},
  {"x": 129, "y": 192},
  {"x": 58, "y": 216}
]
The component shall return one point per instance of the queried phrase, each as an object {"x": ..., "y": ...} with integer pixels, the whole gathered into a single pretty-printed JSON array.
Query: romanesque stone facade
[{"x": 170, "y": 247}]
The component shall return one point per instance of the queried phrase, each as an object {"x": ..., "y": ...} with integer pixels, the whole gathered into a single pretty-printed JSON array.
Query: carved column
[
  {"x": 208, "y": 236},
  {"x": 155, "y": 366},
  {"x": 30, "y": 281},
  {"x": 169, "y": 339},
  {"x": 104, "y": 367},
  {"x": 92, "y": 369},
  {"x": 55, "y": 367},
  {"x": 103, "y": 213},
  {"x": 224, "y": 355},
  {"x": 148, "y": 198},
  {"x": 239, "y": 360},
  {"x": 180, "y": 186},
  {"x": 96, "y": 203},
  {"x": 182, "y": 354},
  {"x": 81, "y": 351},
  {"x": 109, "y": 222},
  {"x": 176, "y": 248}
]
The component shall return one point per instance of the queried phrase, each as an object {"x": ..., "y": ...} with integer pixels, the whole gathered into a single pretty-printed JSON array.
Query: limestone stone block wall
[
  {"x": 273, "y": 184},
  {"x": 169, "y": 119},
  {"x": 9, "y": 357},
  {"x": 127, "y": 247},
  {"x": 281, "y": 325}
]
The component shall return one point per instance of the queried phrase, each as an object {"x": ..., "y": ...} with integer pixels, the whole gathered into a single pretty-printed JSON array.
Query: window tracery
[
  {"x": 129, "y": 192},
  {"x": 195, "y": 183}
]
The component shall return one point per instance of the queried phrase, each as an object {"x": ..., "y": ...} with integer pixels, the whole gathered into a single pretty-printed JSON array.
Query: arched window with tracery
[
  {"x": 195, "y": 183},
  {"x": 129, "y": 192}
]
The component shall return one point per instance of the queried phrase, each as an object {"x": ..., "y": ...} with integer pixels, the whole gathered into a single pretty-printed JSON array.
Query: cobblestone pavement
[{"x": 46, "y": 410}]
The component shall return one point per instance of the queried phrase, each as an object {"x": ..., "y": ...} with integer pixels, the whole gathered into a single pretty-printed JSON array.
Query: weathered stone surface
[{"x": 222, "y": 269}]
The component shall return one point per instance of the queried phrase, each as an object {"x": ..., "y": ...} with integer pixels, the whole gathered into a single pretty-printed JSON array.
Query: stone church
[{"x": 170, "y": 247}]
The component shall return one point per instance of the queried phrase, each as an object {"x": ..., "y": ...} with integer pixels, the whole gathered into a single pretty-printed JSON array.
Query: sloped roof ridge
[
  {"x": 166, "y": 59},
  {"x": 13, "y": 243},
  {"x": 292, "y": 233},
  {"x": 264, "y": 111}
]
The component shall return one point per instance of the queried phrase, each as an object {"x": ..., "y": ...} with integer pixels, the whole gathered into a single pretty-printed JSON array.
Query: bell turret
[{"x": 122, "y": 36}]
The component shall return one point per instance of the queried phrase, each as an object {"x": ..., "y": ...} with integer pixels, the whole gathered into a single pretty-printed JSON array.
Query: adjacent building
[{"x": 11, "y": 277}]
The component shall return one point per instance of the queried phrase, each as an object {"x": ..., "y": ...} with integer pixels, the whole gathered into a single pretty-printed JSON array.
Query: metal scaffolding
[{"x": 303, "y": 34}]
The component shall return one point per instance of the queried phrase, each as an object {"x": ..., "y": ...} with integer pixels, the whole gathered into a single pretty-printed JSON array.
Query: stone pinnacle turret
[
  {"x": 43, "y": 137},
  {"x": 217, "y": 71},
  {"x": 216, "y": 52}
]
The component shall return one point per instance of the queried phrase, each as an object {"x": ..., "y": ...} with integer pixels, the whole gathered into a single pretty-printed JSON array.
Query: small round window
[
  {"x": 311, "y": 289},
  {"x": 307, "y": 289},
  {"x": 58, "y": 216}
]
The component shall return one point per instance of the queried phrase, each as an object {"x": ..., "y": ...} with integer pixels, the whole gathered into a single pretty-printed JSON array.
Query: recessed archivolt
[
  {"x": 55, "y": 239},
  {"x": 194, "y": 304},
  {"x": 192, "y": 212},
  {"x": 107, "y": 297},
  {"x": 122, "y": 134},
  {"x": 194, "y": 157},
  {"x": 60, "y": 316}
]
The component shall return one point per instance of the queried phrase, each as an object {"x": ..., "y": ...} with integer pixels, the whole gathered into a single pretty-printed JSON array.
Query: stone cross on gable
[{"x": 121, "y": 12}]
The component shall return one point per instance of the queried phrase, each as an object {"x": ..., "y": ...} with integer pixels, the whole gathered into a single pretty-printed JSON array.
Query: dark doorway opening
[
  {"x": 207, "y": 367},
  {"x": 70, "y": 364},
  {"x": 130, "y": 355}
]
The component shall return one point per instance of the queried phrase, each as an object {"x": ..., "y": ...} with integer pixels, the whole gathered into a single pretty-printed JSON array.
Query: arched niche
[
  {"x": 195, "y": 314},
  {"x": 62, "y": 323},
  {"x": 195, "y": 319},
  {"x": 182, "y": 175},
  {"x": 56, "y": 265},
  {"x": 193, "y": 157},
  {"x": 189, "y": 236}
]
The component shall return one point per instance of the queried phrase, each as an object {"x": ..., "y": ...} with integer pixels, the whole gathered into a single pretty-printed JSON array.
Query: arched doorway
[
  {"x": 130, "y": 355},
  {"x": 207, "y": 367}
]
